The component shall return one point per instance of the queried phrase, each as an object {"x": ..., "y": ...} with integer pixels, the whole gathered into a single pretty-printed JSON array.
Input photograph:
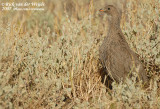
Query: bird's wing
[
  {"x": 120, "y": 58},
  {"x": 118, "y": 62},
  {"x": 125, "y": 46}
]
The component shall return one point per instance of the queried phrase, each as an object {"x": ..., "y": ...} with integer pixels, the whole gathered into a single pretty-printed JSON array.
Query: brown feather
[{"x": 115, "y": 52}]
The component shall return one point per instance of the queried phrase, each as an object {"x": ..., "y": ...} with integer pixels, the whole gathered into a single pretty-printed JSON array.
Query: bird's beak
[{"x": 101, "y": 10}]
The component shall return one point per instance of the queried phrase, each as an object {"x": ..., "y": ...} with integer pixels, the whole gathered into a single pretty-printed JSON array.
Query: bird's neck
[{"x": 114, "y": 23}]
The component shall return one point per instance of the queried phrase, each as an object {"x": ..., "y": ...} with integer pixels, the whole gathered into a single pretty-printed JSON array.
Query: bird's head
[
  {"x": 110, "y": 10},
  {"x": 114, "y": 15}
]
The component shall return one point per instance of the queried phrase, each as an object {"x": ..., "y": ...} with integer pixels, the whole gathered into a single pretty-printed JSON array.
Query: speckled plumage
[{"x": 115, "y": 53}]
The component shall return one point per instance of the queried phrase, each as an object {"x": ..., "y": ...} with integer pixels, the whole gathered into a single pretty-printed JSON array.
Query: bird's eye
[{"x": 108, "y": 8}]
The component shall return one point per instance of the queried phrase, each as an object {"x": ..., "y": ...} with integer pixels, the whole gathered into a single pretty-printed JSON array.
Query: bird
[{"x": 114, "y": 52}]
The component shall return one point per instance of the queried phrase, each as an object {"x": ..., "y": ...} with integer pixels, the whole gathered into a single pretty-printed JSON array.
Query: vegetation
[{"x": 50, "y": 58}]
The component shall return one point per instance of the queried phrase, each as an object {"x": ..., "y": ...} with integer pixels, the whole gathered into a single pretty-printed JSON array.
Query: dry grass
[{"x": 50, "y": 59}]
